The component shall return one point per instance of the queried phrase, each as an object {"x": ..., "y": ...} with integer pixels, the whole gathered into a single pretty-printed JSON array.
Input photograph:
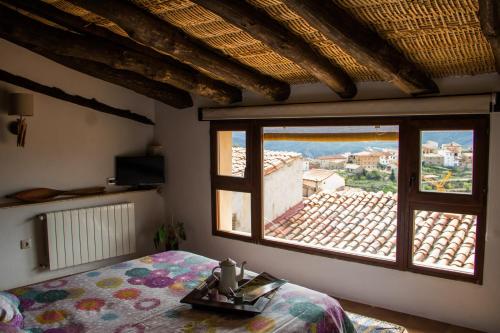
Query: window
[
  {"x": 444, "y": 241},
  {"x": 234, "y": 211},
  {"x": 446, "y": 167},
  {"x": 332, "y": 188},
  {"x": 231, "y": 181},
  {"x": 447, "y": 205},
  {"x": 405, "y": 193},
  {"x": 231, "y": 153}
]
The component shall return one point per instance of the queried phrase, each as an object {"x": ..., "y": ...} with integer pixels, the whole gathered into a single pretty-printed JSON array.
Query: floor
[{"x": 412, "y": 323}]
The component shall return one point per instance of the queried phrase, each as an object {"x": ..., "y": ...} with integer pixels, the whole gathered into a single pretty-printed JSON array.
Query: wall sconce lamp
[{"x": 20, "y": 105}]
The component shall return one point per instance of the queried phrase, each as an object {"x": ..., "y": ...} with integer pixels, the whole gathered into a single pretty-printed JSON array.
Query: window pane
[
  {"x": 445, "y": 241},
  {"x": 446, "y": 161},
  {"x": 231, "y": 147},
  {"x": 234, "y": 212},
  {"x": 332, "y": 188}
]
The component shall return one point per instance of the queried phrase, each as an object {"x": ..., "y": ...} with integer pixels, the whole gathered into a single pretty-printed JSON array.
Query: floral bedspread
[{"x": 143, "y": 295}]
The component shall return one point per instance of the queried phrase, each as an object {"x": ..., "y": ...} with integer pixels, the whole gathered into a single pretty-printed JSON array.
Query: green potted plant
[{"x": 171, "y": 233}]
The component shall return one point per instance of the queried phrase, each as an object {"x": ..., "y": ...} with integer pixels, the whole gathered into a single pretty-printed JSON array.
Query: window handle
[{"x": 413, "y": 179}]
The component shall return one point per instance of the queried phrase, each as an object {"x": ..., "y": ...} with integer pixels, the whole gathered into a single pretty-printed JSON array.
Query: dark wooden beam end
[{"x": 489, "y": 16}]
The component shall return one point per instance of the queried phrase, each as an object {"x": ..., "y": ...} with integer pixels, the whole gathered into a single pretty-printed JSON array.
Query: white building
[
  {"x": 467, "y": 159},
  {"x": 388, "y": 158},
  {"x": 452, "y": 147},
  {"x": 429, "y": 147},
  {"x": 283, "y": 172},
  {"x": 317, "y": 180},
  {"x": 450, "y": 159},
  {"x": 332, "y": 161},
  {"x": 433, "y": 159},
  {"x": 354, "y": 168}
]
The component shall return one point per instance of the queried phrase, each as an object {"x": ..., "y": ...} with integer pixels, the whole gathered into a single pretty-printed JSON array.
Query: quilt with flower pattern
[{"x": 143, "y": 295}]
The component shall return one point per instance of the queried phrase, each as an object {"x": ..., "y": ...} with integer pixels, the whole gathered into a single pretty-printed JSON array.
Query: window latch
[{"x": 413, "y": 179}]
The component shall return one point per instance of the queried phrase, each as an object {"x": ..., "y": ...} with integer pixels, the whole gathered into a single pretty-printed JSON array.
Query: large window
[
  {"x": 406, "y": 193},
  {"x": 332, "y": 188}
]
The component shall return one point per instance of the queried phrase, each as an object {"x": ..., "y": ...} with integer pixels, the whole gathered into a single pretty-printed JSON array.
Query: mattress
[{"x": 143, "y": 295}]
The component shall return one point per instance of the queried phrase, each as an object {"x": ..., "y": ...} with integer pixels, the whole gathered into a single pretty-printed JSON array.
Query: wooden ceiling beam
[
  {"x": 363, "y": 44},
  {"x": 272, "y": 33},
  {"x": 20, "y": 29},
  {"x": 79, "y": 25},
  {"x": 75, "y": 99},
  {"x": 150, "y": 30},
  {"x": 160, "y": 91},
  {"x": 489, "y": 16}
]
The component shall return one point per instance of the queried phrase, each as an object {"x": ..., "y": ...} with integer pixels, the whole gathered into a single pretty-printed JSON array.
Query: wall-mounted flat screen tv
[{"x": 140, "y": 171}]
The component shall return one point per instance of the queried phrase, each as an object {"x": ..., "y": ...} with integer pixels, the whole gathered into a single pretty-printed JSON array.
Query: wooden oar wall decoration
[{"x": 47, "y": 194}]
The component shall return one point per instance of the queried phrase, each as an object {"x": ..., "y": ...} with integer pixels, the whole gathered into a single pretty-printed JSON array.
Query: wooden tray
[{"x": 197, "y": 300}]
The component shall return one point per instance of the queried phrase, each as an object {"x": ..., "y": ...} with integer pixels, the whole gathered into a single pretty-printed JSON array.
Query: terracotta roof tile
[
  {"x": 366, "y": 222},
  {"x": 273, "y": 160}
]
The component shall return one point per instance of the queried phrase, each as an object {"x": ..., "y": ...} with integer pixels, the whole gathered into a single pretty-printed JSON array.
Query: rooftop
[
  {"x": 452, "y": 144},
  {"x": 332, "y": 157},
  {"x": 366, "y": 222},
  {"x": 317, "y": 175},
  {"x": 273, "y": 160},
  {"x": 368, "y": 153}
]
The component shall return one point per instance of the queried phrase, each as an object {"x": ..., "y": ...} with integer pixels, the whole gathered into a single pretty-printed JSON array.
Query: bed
[{"x": 142, "y": 295}]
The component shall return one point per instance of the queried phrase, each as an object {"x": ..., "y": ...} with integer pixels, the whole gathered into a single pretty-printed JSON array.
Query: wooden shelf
[{"x": 17, "y": 203}]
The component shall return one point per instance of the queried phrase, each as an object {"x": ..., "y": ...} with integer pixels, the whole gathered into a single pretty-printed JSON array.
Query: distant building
[
  {"x": 332, "y": 161},
  {"x": 388, "y": 159},
  {"x": 467, "y": 159},
  {"x": 433, "y": 159},
  {"x": 354, "y": 168},
  {"x": 313, "y": 163},
  {"x": 430, "y": 147},
  {"x": 366, "y": 159},
  {"x": 452, "y": 147},
  {"x": 451, "y": 159},
  {"x": 317, "y": 180}
]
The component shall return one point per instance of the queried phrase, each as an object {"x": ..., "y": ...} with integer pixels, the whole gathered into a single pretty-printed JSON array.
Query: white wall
[
  {"x": 21, "y": 267},
  {"x": 283, "y": 189},
  {"x": 240, "y": 210},
  {"x": 333, "y": 183},
  {"x": 67, "y": 146},
  {"x": 186, "y": 144}
]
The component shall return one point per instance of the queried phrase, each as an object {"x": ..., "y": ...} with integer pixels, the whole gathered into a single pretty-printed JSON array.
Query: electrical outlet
[
  {"x": 25, "y": 244},
  {"x": 111, "y": 181}
]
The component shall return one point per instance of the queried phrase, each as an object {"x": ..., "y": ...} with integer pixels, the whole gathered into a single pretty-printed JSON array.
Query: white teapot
[{"x": 227, "y": 277}]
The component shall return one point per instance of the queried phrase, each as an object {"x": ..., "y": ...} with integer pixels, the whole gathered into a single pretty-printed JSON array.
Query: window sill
[
  {"x": 329, "y": 254},
  {"x": 451, "y": 275}
]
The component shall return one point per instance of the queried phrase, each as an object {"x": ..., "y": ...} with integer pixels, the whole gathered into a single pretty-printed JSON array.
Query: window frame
[
  {"x": 474, "y": 203},
  {"x": 408, "y": 199},
  {"x": 230, "y": 183}
]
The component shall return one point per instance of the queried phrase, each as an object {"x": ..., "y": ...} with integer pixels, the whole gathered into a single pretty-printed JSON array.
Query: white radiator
[{"x": 79, "y": 236}]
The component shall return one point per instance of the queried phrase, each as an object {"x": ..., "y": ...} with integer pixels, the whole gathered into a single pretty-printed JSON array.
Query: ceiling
[
  {"x": 443, "y": 37},
  {"x": 271, "y": 44}
]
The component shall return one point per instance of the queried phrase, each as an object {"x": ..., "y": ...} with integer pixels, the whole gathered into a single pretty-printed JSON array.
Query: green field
[
  {"x": 460, "y": 180},
  {"x": 371, "y": 181}
]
